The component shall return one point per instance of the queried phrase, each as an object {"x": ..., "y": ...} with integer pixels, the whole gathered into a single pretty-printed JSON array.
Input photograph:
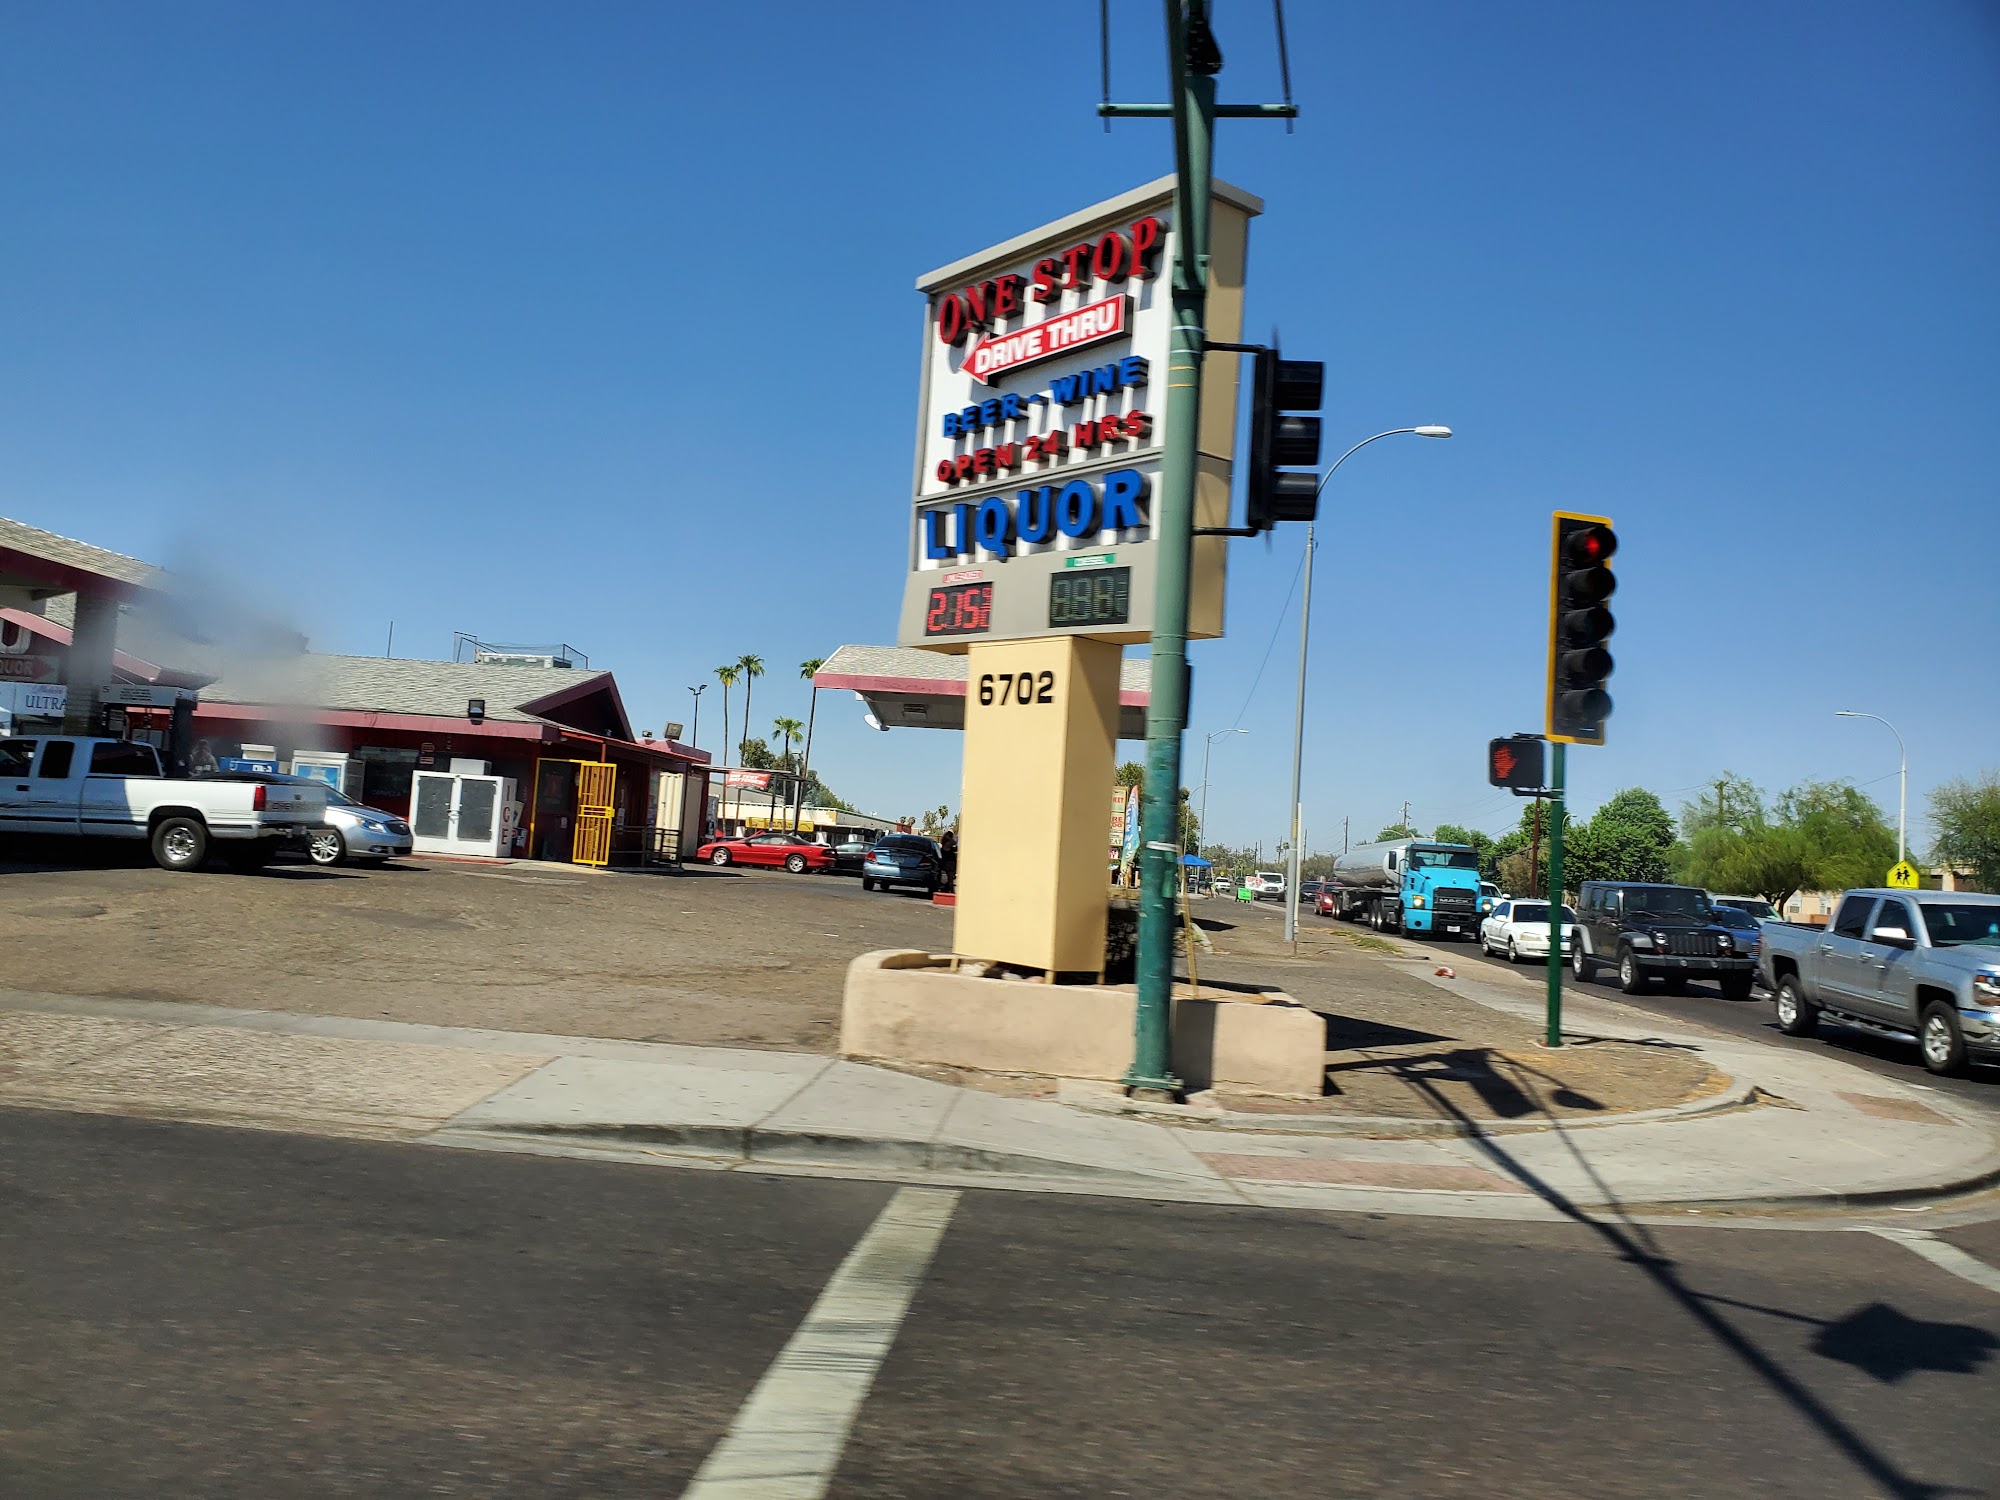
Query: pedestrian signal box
[{"x": 1515, "y": 763}]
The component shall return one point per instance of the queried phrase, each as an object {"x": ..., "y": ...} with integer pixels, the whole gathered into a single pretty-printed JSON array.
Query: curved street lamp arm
[{"x": 1392, "y": 432}]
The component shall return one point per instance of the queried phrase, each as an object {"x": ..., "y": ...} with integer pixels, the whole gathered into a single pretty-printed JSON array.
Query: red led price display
[{"x": 961, "y": 609}]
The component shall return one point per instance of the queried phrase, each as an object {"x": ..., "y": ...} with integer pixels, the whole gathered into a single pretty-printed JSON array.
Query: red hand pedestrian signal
[{"x": 1515, "y": 762}]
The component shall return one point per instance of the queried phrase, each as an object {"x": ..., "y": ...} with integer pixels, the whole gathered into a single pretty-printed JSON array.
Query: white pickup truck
[{"x": 93, "y": 788}]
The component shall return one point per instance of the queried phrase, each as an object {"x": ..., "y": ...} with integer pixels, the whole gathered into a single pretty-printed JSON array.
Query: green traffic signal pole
[
  {"x": 1192, "y": 61},
  {"x": 1173, "y": 525},
  {"x": 1555, "y": 1036}
]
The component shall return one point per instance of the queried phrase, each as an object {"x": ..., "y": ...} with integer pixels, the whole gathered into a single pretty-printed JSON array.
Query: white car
[
  {"x": 1265, "y": 885},
  {"x": 1520, "y": 929}
]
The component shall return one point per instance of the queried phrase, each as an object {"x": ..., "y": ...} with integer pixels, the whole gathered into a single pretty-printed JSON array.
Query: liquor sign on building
[{"x": 1040, "y": 428}]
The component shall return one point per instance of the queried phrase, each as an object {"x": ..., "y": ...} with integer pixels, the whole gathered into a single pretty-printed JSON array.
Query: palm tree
[
  {"x": 727, "y": 677},
  {"x": 788, "y": 728},
  {"x": 809, "y": 670},
  {"x": 752, "y": 667}
]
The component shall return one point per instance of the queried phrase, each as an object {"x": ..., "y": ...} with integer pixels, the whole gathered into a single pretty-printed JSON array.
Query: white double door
[{"x": 452, "y": 814}]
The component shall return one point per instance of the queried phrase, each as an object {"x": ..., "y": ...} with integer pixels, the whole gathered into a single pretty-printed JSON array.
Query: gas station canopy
[{"x": 910, "y": 688}]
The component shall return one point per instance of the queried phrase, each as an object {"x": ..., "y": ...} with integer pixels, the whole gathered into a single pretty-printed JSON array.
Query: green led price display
[{"x": 1094, "y": 596}]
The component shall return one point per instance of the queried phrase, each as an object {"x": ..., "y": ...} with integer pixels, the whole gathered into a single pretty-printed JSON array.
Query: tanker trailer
[{"x": 1412, "y": 885}]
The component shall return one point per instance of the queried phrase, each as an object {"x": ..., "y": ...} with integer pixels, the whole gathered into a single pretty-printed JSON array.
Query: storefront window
[{"x": 385, "y": 771}]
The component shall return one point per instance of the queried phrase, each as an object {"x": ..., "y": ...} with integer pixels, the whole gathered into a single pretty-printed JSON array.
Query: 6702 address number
[{"x": 1022, "y": 687}]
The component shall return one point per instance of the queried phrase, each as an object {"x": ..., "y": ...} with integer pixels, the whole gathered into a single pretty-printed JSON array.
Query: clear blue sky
[{"x": 596, "y": 324}]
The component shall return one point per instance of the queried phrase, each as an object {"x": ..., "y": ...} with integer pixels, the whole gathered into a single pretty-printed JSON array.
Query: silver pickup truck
[
  {"x": 1923, "y": 964},
  {"x": 99, "y": 788}
]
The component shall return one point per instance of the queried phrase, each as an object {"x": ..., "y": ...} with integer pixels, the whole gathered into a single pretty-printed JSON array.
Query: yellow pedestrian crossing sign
[{"x": 1904, "y": 876}]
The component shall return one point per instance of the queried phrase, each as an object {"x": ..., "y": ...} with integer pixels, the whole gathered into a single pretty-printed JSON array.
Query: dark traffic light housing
[
  {"x": 1580, "y": 582},
  {"x": 1283, "y": 437},
  {"x": 1516, "y": 763}
]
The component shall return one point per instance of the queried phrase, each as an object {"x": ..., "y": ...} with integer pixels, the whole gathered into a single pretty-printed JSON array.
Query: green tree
[
  {"x": 752, "y": 667},
  {"x": 789, "y": 729},
  {"x": 1966, "y": 814},
  {"x": 1819, "y": 836},
  {"x": 1848, "y": 843},
  {"x": 1630, "y": 837},
  {"x": 1520, "y": 856},
  {"x": 1730, "y": 801},
  {"x": 727, "y": 677},
  {"x": 936, "y": 823},
  {"x": 1397, "y": 831}
]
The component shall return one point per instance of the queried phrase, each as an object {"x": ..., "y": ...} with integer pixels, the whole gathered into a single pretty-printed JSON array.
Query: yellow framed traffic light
[{"x": 1580, "y": 625}]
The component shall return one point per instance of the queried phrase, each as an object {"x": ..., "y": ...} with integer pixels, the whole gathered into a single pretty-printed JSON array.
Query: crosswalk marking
[
  {"x": 1945, "y": 1255},
  {"x": 787, "y": 1439}
]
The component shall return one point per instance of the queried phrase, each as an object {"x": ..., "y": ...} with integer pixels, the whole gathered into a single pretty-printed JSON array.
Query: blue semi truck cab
[
  {"x": 1440, "y": 891},
  {"x": 1412, "y": 884}
]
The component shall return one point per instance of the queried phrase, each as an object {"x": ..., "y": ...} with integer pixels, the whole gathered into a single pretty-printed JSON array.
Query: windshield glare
[
  {"x": 1669, "y": 901},
  {"x": 1443, "y": 859},
  {"x": 1954, "y": 924}
]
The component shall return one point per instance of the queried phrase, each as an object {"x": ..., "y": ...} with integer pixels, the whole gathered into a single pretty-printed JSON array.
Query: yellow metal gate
[{"x": 595, "y": 783}]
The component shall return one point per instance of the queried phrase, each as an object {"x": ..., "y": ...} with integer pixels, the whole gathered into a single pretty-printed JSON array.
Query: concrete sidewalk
[{"x": 1818, "y": 1134}]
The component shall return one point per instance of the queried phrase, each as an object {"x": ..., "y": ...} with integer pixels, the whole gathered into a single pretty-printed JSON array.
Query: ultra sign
[{"x": 1039, "y": 438}]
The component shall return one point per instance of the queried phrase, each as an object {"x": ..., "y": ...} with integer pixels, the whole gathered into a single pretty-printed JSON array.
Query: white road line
[
  {"x": 787, "y": 1440},
  {"x": 1945, "y": 1256}
]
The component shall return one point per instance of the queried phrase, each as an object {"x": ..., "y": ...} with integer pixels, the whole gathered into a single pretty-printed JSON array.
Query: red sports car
[
  {"x": 1327, "y": 905},
  {"x": 795, "y": 852}
]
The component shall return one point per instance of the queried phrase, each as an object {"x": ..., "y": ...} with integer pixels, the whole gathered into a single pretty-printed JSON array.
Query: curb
[
  {"x": 1734, "y": 1096},
  {"x": 1934, "y": 1193},
  {"x": 752, "y": 1145}
]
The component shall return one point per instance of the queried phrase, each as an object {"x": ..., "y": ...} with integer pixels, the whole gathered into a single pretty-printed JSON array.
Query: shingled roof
[
  {"x": 404, "y": 685},
  {"x": 65, "y": 558}
]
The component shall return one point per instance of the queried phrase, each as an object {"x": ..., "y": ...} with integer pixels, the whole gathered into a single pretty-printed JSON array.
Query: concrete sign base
[{"x": 911, "y": 1007}]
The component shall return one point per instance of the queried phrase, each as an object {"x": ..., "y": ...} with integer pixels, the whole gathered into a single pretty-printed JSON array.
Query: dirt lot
[
  {"x": 740, "y": 958},
  {"x": 735, "y": 958}
]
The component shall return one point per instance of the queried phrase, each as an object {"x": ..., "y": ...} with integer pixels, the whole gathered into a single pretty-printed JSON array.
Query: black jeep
[{"x": 1668, "y": 932}]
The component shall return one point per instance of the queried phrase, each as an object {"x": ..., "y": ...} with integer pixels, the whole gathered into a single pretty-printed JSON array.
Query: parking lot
[
  {"x": 668, "y": 957},
  {"x": 735, "y": 957}
]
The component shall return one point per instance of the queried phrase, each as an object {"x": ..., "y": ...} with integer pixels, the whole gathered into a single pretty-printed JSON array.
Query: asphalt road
[
  {"x": 1753, "y": 1018},
  {"x": 189, "y": 1310}
]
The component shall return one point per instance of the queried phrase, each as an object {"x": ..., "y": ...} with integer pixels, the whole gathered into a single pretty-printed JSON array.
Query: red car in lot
[{"x": 793, "y": 851}]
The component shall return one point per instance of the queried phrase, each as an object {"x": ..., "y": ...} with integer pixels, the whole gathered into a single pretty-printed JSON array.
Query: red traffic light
[
  {"x": 1589, "y": 546},
  {"x": 1581, "y": 581}
]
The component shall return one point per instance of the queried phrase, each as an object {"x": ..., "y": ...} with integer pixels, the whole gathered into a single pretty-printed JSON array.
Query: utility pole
[
  {"x": 1405, "y": 820},
  {"x": 1535, "y": 845},
  {"x": 1343, "y": 835},
  {"x": 1193, "y": 60}
]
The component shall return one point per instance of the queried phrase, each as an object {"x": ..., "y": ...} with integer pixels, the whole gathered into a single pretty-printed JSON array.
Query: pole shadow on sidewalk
[{"x": 1877, "y": 1339}]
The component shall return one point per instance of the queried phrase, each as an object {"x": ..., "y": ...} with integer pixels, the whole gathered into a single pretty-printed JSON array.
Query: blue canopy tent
[{"x": 1195, "y": 861}]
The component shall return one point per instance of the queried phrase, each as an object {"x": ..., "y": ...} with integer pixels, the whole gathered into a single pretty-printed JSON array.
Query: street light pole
[
  {"x": 1903, "y": 789},
  {"x": 1201, "y": 829},
  {"x": 1299, "y": 708},
  {"x": 694, "y": 729}
]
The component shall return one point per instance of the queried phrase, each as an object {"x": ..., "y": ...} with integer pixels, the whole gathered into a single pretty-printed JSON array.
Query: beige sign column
[{"x": 1041, "y": 725}]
